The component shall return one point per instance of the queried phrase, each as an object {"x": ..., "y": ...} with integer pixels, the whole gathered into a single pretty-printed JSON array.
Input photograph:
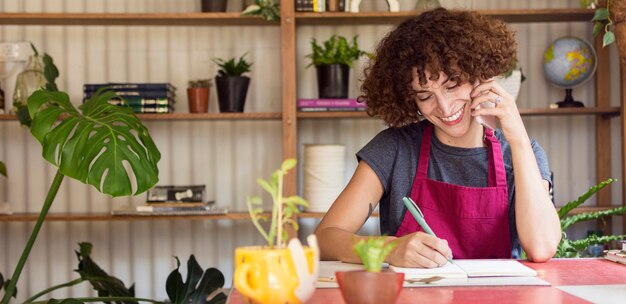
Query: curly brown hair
[{"x": 461, "y": 44}]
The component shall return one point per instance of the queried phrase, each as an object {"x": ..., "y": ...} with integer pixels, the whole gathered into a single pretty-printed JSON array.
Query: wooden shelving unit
[
  {"x": 289, "y": 115},
  {"x": 111, "y": 19},
  {"x": 238, "y": 215},
  {"x": 192, "y": 116}
]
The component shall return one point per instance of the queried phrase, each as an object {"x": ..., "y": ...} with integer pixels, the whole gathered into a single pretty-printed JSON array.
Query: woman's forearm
[
  {"x": 537, "y": 222},
  {"x": 336, "y": 244}
]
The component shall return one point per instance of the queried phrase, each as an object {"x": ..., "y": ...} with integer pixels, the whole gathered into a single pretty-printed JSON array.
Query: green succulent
[
  {"x": 336, "y": 50},
  {"x": 373, "y": 252},
  {"x": 232, "y": 68}
]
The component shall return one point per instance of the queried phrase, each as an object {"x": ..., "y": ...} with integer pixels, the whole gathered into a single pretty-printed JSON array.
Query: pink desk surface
[{"x": 559, "y": 272}]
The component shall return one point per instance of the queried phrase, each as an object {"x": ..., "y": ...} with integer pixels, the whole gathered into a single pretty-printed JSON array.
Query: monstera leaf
[{"x": 94, "y": 146}]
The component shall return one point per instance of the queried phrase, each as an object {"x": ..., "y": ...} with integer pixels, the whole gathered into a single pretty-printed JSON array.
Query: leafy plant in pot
[
  {"x": 198, "y": 95},
  {"x": 372, "y": 285},
  {"x": 277, "y": 273},
  {"x": 576, "y": 248},
  {"x": 333, "y": 60},
  {"x": 232, "y": 86}
]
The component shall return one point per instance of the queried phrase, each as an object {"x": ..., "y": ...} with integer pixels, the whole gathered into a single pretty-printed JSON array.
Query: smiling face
[{"x": 445, "y": 102}]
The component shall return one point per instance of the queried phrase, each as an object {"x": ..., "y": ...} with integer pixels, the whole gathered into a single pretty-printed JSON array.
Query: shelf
[
  {"x": 511, "y": 16},
  {"x": 608, "y": 111},
  {"x": 106, "y": 217},
  {"x": 193, "y": 116},
  {"x": 169, "y": 19}
]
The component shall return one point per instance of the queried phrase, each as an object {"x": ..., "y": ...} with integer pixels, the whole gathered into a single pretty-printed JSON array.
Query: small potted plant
[
  {"x": 333, "y": 61},
  {"x": 265, "y": 9},
  {"x": 232, "y": 86},
  {"x": 372, "y": 285},
  {"x": 198, "y": 95},
  {"x": 277, "y": 273}
]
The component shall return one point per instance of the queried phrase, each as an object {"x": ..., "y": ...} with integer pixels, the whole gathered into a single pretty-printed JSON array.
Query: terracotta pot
[
  {"x": 364, "y": 287},
  {"x": 198, "y": 100}
]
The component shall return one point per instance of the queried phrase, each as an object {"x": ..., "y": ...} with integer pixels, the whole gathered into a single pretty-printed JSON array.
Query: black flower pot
[
  {"x": 231, "y": 92},
  {"x": 213, "y": 5},
  {"x": 332, "y": 80}
]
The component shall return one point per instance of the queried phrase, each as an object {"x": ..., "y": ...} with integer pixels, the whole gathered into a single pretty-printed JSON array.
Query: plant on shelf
[
  {"x": 333, "y": 60},
  {"x": 232, "y": 86},
  {"x": 613, "y": 15},
  {"x": 92, "y": 146},
  {"x": 373, "y": 285},
  {"x": 575, "y": 248},
  {"x": 34, "y": 76},
  {"x": 273, "y": 273},
  {"x": 266, "y": 9},
  {"x": 198, "y": 95}
]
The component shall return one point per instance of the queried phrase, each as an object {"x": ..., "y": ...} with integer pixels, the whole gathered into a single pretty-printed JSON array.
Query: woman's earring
[{"x": 419, "y": 112}]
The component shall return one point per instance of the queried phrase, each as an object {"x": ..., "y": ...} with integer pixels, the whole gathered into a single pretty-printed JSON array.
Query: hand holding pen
[{"x": 419, "y": 217}]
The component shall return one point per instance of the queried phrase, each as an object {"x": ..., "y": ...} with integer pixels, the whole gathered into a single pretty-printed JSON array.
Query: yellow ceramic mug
[{"x": 264, "y": 275}]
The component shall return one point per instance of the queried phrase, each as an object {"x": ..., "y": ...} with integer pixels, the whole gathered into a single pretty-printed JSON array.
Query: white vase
[{"x": 512, "y": 83}]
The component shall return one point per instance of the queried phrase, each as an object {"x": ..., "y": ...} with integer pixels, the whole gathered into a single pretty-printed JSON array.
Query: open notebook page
[{"x": 470, "y": 268}]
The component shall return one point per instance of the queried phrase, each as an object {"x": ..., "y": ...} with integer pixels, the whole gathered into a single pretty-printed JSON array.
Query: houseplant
[
  {"x": 90, "y": 145},
  {"x": 611, "y": 15},
  {"x": 198, "y": 95},
  {"x": 232, "y": 86},
  {"x": 333, "y": 60},
  {"x": 265, "y": 9},
  {"x": 273, "y": 273},
  {"x": 574, "y": 248},
  {"x": 372, "y": 285}
]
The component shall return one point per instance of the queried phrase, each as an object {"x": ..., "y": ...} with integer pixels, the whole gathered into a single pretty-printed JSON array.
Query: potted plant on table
[
  {"x": 198, "y": 95},
  {"x": 265, "y": 9},
  {"x": 232, "y": 86},
  {"x": 332, "y": 61},
  {"x": 372, "y": 285},
  {"x": 277, "y": 273}
]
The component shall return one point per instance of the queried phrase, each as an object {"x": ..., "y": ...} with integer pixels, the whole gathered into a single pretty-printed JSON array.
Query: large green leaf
[
  {"x": 95, "y": 146},
  {"x": 102, "y": 282},
  {"x": 181, "y": 292}
]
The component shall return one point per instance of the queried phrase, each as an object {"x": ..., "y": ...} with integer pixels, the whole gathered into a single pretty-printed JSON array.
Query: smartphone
[{"x": 487, "y": 121}]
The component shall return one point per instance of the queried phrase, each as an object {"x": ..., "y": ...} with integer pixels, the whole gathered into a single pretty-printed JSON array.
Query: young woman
[{"x": 484, "y": 193}]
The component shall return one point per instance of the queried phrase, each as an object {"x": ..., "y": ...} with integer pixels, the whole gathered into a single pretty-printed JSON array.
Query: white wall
[{"x": 227, "y": 156}]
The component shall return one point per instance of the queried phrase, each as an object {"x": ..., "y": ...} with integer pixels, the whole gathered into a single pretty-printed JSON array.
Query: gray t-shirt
[{"x": 393, "y": 155}]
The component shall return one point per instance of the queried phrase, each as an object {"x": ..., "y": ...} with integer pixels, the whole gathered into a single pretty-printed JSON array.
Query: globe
[{"x": 569, "y": 62}]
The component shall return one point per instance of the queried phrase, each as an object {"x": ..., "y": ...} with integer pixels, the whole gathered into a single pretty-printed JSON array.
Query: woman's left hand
[{"x": 505, "y": 108}]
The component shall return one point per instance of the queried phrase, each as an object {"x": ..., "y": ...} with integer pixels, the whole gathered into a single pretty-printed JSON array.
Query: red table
[{"x": 559, "y": 272}]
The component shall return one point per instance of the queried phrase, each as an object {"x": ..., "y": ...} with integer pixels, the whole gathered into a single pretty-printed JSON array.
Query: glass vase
[{"x": 27, "y": 82}]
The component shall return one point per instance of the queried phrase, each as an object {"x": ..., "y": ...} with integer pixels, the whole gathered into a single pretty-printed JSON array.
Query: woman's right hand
[{"x": 419, "y": 249}]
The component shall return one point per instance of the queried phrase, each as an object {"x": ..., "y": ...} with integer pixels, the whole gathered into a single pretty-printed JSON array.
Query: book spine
[
  {"x": 141, "y": 94},
  {"x": 133, "y": 101},
  {"x": 170, "y": 208},
  {"x": 330, "y": 103},
  {"x": 130, "y": 86},
  {"x": 331, "y": 109}
]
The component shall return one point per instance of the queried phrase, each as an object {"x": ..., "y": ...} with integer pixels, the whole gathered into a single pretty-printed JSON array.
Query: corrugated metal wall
[{"x": 227, "y": 156}]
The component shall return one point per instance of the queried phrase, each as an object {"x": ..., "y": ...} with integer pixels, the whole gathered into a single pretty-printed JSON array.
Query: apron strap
[
  {"x": 422, "y": 166},
  {"x": 497, "y": 173}
]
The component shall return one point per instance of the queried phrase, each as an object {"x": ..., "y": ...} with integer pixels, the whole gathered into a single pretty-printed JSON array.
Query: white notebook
[{"x": 470, "y": 269}]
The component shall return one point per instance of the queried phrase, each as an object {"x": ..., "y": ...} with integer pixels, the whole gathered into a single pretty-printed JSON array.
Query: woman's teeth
[{"x": 454, "y": 116}]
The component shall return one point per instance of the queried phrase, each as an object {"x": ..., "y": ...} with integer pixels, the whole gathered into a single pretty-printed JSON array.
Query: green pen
[{"x": 419, "y": 216}]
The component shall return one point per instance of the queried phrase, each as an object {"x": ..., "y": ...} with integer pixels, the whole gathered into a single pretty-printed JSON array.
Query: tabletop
[{"x": 572, "y": 280}]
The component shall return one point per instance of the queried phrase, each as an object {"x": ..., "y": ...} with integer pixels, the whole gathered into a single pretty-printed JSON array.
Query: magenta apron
[{"x": 474, "y": 221}]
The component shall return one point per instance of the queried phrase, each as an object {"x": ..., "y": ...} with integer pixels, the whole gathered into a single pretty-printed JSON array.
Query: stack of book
[
  {"x": 173, "y": 208},
  {"x": 320, "y": 6},
  {"x": 142, "y": 97},
  {"x": 321, "y": 105}
]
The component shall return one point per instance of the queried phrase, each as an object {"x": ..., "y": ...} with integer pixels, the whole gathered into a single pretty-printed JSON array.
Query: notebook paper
[{"x": 470, "y": 268}]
